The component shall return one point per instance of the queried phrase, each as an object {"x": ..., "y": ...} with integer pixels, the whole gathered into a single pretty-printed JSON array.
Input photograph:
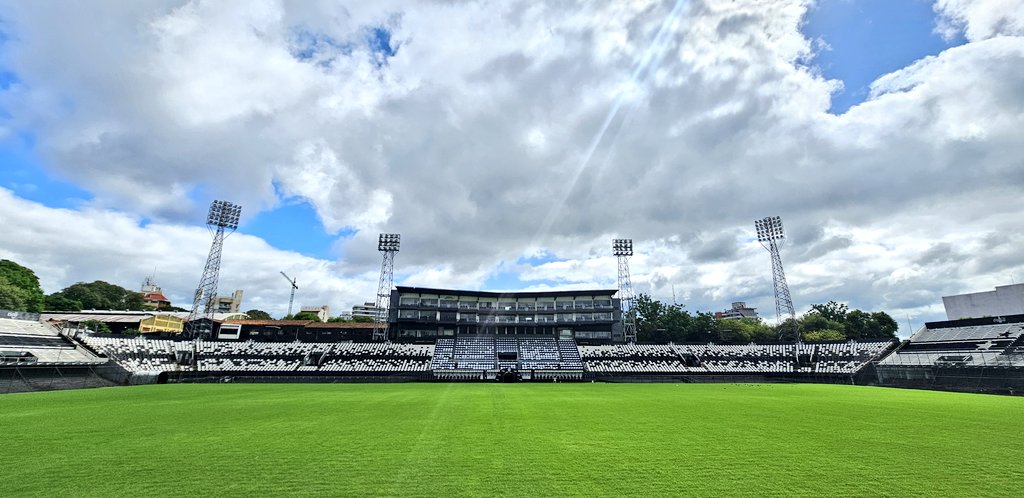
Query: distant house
[{"x": 152, "y": 296}]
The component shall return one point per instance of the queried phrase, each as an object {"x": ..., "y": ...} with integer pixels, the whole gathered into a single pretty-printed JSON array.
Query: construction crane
[{"x": 291, "y": 299}]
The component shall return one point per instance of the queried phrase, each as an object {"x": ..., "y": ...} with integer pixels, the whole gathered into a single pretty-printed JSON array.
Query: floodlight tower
[
  {"x": 771, "y": 235},
  {"x": 623, "y": 249},
  {"x": 387, "y": 244},
  {"x": 291, "y": 299},
  {"x": 223, "y": 217}
]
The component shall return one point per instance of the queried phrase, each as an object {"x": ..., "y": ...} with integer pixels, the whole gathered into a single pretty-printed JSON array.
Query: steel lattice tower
[
  {"x": 223, "y": 217},
  {"x": 387, "y": 244},
  {"x": 623, "y": 249},
  {"x": 771, "y": 235}
]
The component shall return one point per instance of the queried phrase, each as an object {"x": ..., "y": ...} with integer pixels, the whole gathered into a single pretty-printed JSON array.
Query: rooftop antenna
[
  {"x": 223, "y": 217},
  {"x": 771, "y": 235},
  {"x": 291, "y": 299},
  {"x": 623, "y": 250},
  {"x": 388, "y": 245},
  {"x": 674, "y": 303}
]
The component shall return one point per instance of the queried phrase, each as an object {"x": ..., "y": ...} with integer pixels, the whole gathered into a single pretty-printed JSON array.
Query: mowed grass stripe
[{"x": 519, "y": 439}]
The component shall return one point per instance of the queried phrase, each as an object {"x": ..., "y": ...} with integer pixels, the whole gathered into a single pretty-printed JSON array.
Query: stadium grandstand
[
  {"x": 834, "y": 359},
  {"x": 975, "y": 354},
  {"x": 489, "y": 357},
  {"x": 36, "y": 356},
  {"x": 452, "y": 335}
]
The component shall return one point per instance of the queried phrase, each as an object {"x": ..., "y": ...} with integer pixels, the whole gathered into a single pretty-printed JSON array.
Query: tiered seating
[
  {"x": 251, "y": 356},
  {"x": 846, "y": 358},
  {"x": 475, "y": 353},
  {"x": 444, "y": 351},
  {"x": 539, "y": 353},
  {"x": 989, "y": 345},
  {"x": 570, "y": 354},
  {"x": 507, "y": 349},
  {"x": 139, "y": 354},
  {"x": 41, "y": 344},
  {"x": 633, "y": 358},
  {"x": 378, "y": 357}
]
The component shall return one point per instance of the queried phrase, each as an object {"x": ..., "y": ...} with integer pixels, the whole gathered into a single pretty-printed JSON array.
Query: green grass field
[{"x": 510, "y": 439}]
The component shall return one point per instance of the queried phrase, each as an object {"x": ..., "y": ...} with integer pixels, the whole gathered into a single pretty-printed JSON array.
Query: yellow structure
[{"x": 162, "y": 323}]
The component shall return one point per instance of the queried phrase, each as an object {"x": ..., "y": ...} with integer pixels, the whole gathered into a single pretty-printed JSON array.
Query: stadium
[
  {"x": 455, "y": 392},
  {"x": 495, "y": 161}
]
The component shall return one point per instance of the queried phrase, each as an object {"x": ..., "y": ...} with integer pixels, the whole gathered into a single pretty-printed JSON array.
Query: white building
[
  {"x": 322, "y": 312},
  {"x": 1005, "y": 300},
  {"x": 739, "y": 310},
  {"x": 229, "y": 304},
  {"x": 366, "y": 309}
]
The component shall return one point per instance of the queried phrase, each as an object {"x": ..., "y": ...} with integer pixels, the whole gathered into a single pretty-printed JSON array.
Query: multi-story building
[
  {"x": 739, "y": 310},
  {"x": 590, "y": 316},
  {"x": 229, "y": 304},
  {"x": 368, "y": 310},
  {"x": 321, "y": 312}
]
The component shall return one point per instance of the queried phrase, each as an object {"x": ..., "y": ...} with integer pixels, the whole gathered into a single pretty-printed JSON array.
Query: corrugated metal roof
[
  {"x": 101, "y": 317},
  {"x": 278, "y": 323},
  {"x": 340, "y": 325}
]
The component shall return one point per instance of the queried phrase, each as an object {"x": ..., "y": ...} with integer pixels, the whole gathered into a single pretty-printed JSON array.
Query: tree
[
  {"x": 259, "y": 315},
  {"x": 814, "y": 326},
  {"x": 822, "y": 335},
  {"x": 19, "y": 288},
  {"x": 11, "y": 297},
  {"x": 885, "y": 325},
  {"x": 60, "y": 302},
  {"x": 362, "y": 319},
  {"x": 831, "y": 310},
  {"x": 659, "y": 322},
  {"x": 304, "y": 315},
  {"x": 745, "y": 331},
  {"x": 100, "y": 295}
]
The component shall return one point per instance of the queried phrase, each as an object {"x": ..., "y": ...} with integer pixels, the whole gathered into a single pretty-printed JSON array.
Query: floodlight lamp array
[
  {"x": 224, "y": 214},
  {"x": 622, "y": 247},
  {"x": 769, "y": 228},
  {"x": 389, "y": 242}
]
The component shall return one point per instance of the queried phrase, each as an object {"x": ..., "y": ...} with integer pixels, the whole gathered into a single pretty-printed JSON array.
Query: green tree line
[{"x": 659, "y": 322}]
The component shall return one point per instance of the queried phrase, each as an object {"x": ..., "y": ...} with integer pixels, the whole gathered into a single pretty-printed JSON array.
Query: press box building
[{"x": 588, "y": 316}]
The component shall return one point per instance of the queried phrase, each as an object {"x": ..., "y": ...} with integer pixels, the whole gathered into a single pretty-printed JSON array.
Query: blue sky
[{"x": 869, "y": 38}]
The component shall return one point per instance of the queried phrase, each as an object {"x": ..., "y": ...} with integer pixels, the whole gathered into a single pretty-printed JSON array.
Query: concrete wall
[{"x": 1005, "y": 300}]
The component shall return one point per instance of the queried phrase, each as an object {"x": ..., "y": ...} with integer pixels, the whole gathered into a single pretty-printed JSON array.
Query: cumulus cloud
[
  {"x": 485, "y": 132},
  {"x": 65, "y": 246},
  {"x": 980, "y": 19}
]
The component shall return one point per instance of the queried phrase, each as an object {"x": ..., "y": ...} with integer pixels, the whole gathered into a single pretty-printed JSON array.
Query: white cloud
[{"x": 980, "y": 19}]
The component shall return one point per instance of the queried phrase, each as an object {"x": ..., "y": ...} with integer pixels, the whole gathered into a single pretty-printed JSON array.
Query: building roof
[
  {"x": 278, "y": 323},
  {"x": 118, "y": 316},
  {"x": 455, "y": 292},
  {"x": 106, "y": 317},
  {"x": 155, "y": 296},
  {"x": 220, "y": 317},
  {"x": 339, "y": 325}
]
